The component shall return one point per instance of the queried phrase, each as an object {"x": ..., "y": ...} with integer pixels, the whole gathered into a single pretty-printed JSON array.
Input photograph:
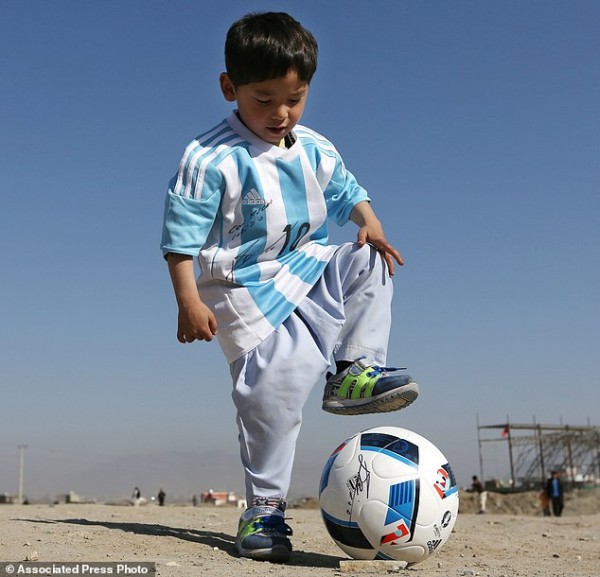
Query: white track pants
[{"x": 347, "y": 315}]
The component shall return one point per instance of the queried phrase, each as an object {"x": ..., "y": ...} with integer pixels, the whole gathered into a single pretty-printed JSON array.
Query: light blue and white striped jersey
[{"x": 256, "y": 215}]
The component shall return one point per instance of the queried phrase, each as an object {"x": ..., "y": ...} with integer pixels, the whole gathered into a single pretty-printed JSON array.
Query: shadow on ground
[{"x": 209, "y": 538}]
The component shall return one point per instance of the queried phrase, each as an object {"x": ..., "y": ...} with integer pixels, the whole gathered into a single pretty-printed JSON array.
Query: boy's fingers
[
  {"x": 390, "y": 264},
  {"x": 361, "y": 238}
]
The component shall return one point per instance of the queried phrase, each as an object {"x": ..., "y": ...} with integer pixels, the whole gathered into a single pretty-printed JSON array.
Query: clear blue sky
[{"x": 474, "y": 125}]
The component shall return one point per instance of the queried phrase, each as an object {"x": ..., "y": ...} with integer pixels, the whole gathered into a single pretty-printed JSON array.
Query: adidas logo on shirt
[{"x": 253, "y": 198}]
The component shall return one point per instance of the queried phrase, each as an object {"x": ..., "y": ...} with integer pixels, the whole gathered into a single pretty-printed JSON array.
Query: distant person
[
  {"x": 545, "y": 501},
  {"x": 251, "y": 202},
  {"x": 161, "y": 497},
  {"x": 477, "y": 487},
  {"x": 136, "y": 496},
  {"x": 555, "y": 493}
]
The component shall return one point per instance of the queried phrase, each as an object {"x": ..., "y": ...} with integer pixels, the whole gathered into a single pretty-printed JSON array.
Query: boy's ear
[{"x": 227, "y": 87}]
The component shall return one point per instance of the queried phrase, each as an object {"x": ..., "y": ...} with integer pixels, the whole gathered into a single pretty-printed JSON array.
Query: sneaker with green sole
[
  {"x": 364, "y": 388},
  {"x": 263, "y": 535}
]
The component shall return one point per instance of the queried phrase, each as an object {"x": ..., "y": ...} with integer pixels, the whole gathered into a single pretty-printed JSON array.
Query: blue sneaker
[
  {"x": 365, "y": 388},
  {"x": 263, "y": 534}
]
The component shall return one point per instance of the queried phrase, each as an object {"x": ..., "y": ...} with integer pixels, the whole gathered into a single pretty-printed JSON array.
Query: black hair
[{"x": 265, "y": 45}]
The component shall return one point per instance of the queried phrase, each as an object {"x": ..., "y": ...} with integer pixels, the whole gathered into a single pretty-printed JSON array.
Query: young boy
[{"x": 251, "y": 201}]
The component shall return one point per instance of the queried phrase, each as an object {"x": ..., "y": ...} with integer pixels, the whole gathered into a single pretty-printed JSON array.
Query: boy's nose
[{"x": 280, "y": 113}]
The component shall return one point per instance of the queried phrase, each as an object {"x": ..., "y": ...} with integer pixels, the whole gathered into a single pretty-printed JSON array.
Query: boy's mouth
[{"x": 277, "y": 131}]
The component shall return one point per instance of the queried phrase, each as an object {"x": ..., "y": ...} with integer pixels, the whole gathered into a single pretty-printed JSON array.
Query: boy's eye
[{"x": 263, "y": 101}]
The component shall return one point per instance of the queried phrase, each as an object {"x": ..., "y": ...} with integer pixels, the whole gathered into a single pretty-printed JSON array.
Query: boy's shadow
[{"x": 209, "y": 538}]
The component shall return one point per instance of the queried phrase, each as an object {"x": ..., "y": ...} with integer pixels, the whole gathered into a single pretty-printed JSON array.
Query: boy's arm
[
  {"x": 371, "y": 231},
  {"x": 195, "y": 321}
]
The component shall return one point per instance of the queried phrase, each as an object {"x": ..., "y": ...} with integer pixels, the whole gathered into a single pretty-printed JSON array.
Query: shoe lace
[
  {"x": 273, "y": 524},
  {"x": 377, "y": 370}
]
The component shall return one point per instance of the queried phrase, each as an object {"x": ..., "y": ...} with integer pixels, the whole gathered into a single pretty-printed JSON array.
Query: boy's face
[{"x": 270, "y": 108}]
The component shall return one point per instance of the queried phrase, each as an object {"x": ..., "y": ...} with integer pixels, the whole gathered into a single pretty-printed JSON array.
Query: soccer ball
[{"x": 388, "y": 493}]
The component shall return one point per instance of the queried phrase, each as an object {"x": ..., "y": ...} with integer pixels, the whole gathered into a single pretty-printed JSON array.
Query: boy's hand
[
  {"x": 375, "y": 237},
  {"x": 196, "y": 323},
  {"x": 195, "y": 320},
  {"x": 371, "y": 231}
]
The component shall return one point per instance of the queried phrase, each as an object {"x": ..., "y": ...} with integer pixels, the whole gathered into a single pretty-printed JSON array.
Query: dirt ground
[{"x": 512, "y": 539}]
